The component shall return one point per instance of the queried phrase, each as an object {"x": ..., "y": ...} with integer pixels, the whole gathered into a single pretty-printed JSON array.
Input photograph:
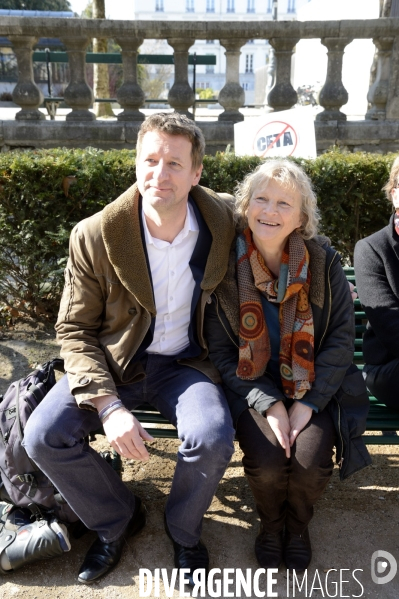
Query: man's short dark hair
[{"x": 175, "y": 124}]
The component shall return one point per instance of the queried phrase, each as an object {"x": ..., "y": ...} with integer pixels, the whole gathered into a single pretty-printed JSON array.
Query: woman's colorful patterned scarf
[{"x": 291, "y": 290}]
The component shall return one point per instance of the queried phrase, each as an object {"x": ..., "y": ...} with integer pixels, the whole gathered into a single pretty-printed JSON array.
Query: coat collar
[
  {"x": 218, "y": 216},
  {"x": 120, "y": 227}
]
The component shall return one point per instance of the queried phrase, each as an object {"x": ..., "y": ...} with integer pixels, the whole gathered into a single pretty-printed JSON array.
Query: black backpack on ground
[{"x": 22, "y": 483}]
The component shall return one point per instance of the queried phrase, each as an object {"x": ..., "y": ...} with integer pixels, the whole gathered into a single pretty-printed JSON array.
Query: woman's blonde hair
[
  {"x": 288, "y": 175},
  {"x": 393, "y": 180}
]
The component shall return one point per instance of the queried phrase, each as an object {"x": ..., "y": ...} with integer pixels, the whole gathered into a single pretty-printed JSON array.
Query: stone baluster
[
  {"x": 130, "y": 95},
  {"x": 181, "y": 96},
  {"x": 282, "y": 96},
  {"x": 378, "y": 92},
  {"x": 78, "y": 95},
  {"x": 333, "y": 94},
  {"x": 26, "y": 93},
  {"x": 232, "y": 96}
]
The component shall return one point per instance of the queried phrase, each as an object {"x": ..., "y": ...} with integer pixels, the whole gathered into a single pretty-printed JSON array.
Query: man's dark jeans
[{"x": 54, "y": 439}]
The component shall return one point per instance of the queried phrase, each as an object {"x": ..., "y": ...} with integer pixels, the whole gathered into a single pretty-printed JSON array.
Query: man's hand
[
  {"x": 125, "y": 434},
  {"x": 352, "y": 290},
  {"x": 299, "y": 416},
  {"x": 277, "y": 418}
]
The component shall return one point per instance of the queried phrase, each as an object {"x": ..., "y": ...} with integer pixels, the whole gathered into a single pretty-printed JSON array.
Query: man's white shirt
[{"x": 173, "y": 285}]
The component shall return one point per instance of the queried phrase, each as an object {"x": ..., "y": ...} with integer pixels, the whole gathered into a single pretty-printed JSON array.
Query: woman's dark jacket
[
  {"x": 334, "y": 333},
  {"x": 377, "y": 282}
]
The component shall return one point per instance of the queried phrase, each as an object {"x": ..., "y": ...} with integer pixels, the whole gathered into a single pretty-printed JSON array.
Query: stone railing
[{"x": 76, "y": 34}]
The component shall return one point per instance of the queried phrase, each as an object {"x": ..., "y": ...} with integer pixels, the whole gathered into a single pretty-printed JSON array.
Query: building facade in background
[{"x": 254, "y": 55}]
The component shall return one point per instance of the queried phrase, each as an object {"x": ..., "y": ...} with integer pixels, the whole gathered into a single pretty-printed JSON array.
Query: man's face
[{"x": 164, "y": 170}]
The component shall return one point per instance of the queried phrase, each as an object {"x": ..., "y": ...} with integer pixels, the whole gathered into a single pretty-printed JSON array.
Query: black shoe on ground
[
  {"x": 269, "y": 549},
  {"x": 192, "y": 558},
  {"x": 297, "y": 551},
  {"x": 103, "y": 557}
]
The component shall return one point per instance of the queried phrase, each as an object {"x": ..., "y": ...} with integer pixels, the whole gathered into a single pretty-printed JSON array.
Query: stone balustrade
[{"x": 382, "y": 118}]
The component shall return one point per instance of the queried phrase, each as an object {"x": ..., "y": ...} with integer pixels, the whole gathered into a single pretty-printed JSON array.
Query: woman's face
[
  {"x": 274, "y": 212},
  {"x": 395, "y": 197}
]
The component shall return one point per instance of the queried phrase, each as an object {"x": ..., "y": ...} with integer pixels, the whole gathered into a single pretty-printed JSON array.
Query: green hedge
[{"x": 44, "y": 193}]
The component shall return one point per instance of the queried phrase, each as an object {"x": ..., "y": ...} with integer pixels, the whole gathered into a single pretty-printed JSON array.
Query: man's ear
[{"x": 197, "y": 175}]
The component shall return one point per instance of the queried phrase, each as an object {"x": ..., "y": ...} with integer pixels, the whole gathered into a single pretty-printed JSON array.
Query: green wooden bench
[{"x": 380, "y": 417}]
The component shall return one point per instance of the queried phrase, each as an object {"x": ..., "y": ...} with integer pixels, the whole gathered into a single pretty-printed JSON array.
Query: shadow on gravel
[{"x": 13, "y": 366}]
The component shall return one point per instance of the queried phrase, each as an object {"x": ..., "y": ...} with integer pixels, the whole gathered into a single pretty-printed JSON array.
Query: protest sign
[{"x": 278, "y": 134}]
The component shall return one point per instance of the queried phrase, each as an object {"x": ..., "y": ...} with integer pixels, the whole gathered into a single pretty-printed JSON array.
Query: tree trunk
[
  {"x": 385, "y": 8},
  {"x": 100, "y": 71}
]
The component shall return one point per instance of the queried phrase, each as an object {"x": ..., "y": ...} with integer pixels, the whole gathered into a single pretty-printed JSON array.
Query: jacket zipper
[
  {"x": 222, "y": 323},
  {"x": 329, "y": 309},
  {"x": 340, "y": 463}
]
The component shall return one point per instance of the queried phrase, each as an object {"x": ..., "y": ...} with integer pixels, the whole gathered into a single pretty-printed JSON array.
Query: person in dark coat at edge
[
  {"x": 377, "y": 281},
  {"x": 280, "y": 329},
  {"x": 130, "y": 326}
]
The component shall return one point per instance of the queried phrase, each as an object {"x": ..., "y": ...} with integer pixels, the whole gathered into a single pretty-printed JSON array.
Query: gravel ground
[{"x": 352, "y": 520}]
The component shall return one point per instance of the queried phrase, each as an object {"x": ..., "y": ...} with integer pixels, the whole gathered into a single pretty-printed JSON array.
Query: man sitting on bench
[{"x": 131, "y": 329}]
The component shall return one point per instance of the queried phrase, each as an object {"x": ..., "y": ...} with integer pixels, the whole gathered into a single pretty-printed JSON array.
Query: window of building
[
  {"x": 210, "y": 41},
  {"x": 250, "y": 41},
  {"x": 230, "y": 6},
  {"x": 249, "y": 63},
  {"x": 291, "y": 6},
  {"x": 210, "y": 5},
  {"x": 269, "y": 5},
  {"x": 158, "y": 5},
  {"x": 250, "y": 5},
  {"x": 189, "y": 5}
]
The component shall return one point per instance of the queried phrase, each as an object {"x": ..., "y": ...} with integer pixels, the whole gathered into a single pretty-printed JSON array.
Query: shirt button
[
  {"x": 172, "y": 272},
  {"x": 84, "y": 380}
]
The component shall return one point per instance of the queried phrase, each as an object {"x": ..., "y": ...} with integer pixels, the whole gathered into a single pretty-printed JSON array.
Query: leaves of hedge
[{"x": 44, "y": 193}]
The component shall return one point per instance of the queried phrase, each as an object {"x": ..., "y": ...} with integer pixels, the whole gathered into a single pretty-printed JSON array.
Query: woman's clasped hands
[{"x": 287, "y": 425}]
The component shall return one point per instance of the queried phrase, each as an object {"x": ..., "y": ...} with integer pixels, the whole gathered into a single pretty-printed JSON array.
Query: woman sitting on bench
[
  {"x": 280, "y": 330},
  {"x": 377, "y": 281}
]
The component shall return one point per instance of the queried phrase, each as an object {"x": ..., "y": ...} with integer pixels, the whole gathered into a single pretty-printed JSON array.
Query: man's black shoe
[
  {"x": 103, "y": 557},
  {"x": 192, "y": 558}
]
